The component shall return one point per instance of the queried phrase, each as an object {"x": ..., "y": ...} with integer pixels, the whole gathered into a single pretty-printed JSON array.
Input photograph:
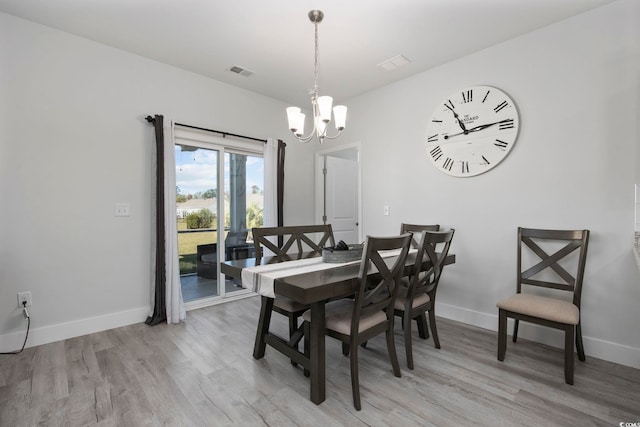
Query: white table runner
[{"x": 261, "y": 278}]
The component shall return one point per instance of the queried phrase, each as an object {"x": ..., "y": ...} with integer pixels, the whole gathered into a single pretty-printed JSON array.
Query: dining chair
[
  {"x": 236, "y": 247},
  {"x": 284, "y": 244},
  {"x": 417, "y": 230},
  {"x": 292, "y": 242},
  {"x": 555, "y": 260},
  {"x": 418, "y": 296},
  {"x": 356, "y": 320}
]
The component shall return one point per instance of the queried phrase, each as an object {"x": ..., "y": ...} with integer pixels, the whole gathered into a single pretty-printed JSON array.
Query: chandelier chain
[{"x": 315, "y": 62}]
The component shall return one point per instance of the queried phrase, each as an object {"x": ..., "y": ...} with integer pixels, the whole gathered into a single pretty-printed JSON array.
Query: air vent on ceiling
[
  {"x": 240, "y": 70},
  {"x": 393, "y": 63}
]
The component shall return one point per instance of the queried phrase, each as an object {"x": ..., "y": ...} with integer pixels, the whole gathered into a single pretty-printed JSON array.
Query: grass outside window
[{"x": 187, "y": 246}]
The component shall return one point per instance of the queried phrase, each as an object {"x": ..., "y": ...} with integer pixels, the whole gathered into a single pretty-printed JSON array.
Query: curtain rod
[{"x": 224, "y": 134}]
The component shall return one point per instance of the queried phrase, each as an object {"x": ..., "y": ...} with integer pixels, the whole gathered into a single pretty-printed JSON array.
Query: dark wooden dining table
[{"x": 314, "y": 288}]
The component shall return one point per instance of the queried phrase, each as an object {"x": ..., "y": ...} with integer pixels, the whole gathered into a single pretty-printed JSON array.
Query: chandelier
[{"x": 321, "y": 105}]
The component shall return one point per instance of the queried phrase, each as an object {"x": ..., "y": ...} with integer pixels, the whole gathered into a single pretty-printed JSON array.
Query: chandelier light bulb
[
  {"x": 324, "y": 108},
  {"x": 300, "y": 125},
  {"x": 292, "y": 118},
  {"x": 340, "y": 116}
]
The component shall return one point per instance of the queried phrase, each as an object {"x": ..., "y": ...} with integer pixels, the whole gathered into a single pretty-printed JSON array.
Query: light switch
[
  {"x": 121, "y": 209},
  {"x": 385, "y": 210}
]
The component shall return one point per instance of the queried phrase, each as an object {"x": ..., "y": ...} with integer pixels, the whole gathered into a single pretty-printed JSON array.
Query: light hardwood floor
[{"x": 202, "y": 373}]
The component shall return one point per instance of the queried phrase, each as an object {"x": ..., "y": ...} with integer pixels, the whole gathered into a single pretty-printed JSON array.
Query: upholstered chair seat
[
  {"x": 288, "y": 304},
  {"x": 338, "y": 316},
  {"x": 401, "y": 299},
  {"x": 552, "y": 309}
]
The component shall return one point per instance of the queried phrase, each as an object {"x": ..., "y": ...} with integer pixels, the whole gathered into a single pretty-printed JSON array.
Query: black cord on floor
[{"x": 25, "y": 337}]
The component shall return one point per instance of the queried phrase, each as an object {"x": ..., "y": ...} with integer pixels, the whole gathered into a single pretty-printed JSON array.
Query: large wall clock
[{"x": 471, "y": 131}]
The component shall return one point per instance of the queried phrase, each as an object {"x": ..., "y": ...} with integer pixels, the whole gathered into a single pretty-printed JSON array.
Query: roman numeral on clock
[
  {"x": 467, "y": 96},
  {"x": 448, "y": 164},
  {"x": 485, "y": 96},
  {"x": 433, "y": 138},
  {"x": 501, "y": 144},
  {"x": 506, "y": 124},
  {"x": 485, "y": 161},
  {"x": 500, "y": 106},
  {"x": 436, "y": 153},
  {"x": 465, "y": 167}
]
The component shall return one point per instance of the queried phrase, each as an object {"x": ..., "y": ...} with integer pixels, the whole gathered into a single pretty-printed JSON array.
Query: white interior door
[{"x": 340, "y": 202}]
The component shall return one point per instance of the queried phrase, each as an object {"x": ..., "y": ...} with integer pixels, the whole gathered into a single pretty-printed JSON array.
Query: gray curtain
[{"x": 159, "y": 308}]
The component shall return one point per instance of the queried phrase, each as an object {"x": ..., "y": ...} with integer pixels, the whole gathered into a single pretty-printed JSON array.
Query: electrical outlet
[
  {"x": 22, "y": 297},
  {"x": 121, "y": 209}
]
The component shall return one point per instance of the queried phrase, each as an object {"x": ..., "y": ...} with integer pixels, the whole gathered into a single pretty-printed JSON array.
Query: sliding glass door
[{"x": 219, "y": 197}]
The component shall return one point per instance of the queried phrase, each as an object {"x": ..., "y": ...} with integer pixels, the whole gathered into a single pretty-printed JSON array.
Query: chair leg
[
  {"x": 502, "y": 334},
  {"x": 434, "y": 329},
  {"x": 408, "y": 347},
  {"x": 391, "y": 347},
  {"x": 263, "y": 327},
  {"x": 355, "y": 383},
  {"x": 423, "y": 330},
  {"x": 345, "y": 349},
  {"x": 293, "y": 326},
  {"x": 515, "y": 329},
  {"x": 568, "y": 354},
  {"x": 579, "y": 344}
]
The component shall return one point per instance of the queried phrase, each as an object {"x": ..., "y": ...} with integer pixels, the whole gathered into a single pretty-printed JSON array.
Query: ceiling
[{"x": 274, "y": 39}]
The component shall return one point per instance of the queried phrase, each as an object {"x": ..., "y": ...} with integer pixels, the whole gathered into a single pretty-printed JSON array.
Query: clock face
[{"x": 471, "y": 131}]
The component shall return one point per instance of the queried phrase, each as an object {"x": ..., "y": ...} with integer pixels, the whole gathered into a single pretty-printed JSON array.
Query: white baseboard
[
  {"x": 76, "y": 328},
  {"x": 610, "y": 351}
]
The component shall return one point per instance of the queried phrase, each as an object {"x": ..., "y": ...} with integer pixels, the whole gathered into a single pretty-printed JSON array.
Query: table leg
[
  {"x": 263, "y": 327},
  {"x": 317, "y": 352}
]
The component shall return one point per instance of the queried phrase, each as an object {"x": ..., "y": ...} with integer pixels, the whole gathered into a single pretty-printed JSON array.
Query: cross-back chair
[
  {"x": 559, "y": 262},
  {"x": 299, "y": 241},
  {"x": 417, "y": 230},
  {"x": 370, "y": 312},
  {"x": 419, "y": 296},
  {"x": 285, "y": 244}
]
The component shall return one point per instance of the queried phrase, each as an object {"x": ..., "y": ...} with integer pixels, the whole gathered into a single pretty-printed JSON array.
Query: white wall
[
  {"x": 576, "y": 86},
  {"x": 73, "y": 141}
]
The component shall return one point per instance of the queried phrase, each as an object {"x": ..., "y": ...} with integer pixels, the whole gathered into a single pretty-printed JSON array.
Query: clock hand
[
  {"x": 456, "y": 134},
  {"x": 462, "y": 126},
  {"x": 476, "y": 129}
]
